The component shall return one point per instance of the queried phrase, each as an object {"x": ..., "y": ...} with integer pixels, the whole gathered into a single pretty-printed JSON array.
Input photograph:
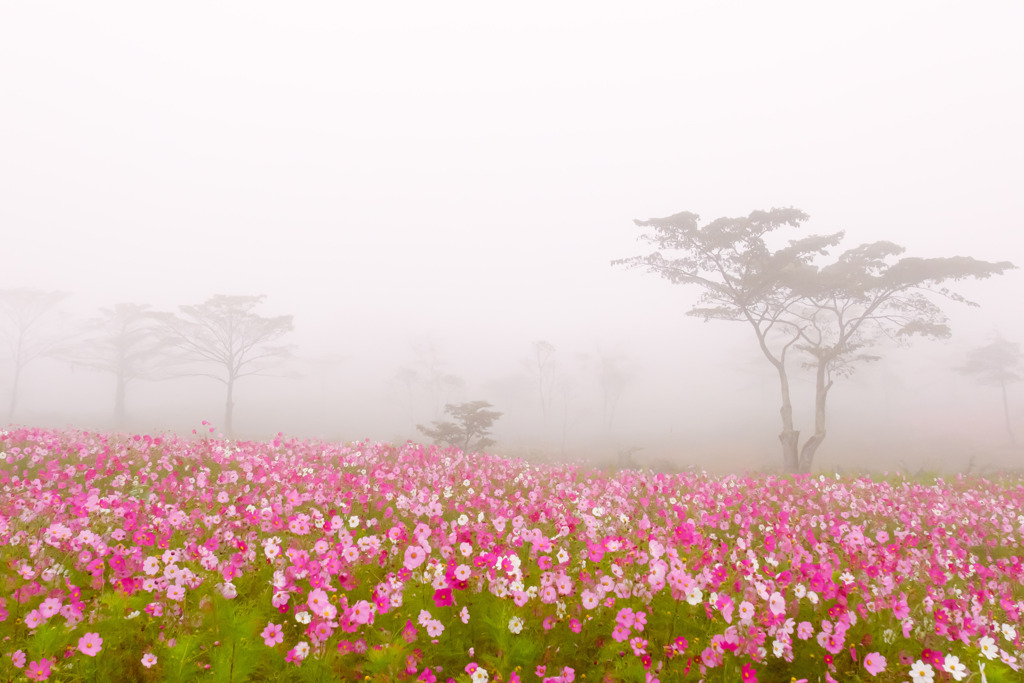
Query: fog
[{"x": 438, "y": 187}]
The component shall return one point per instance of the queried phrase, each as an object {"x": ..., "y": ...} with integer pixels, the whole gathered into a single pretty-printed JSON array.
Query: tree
[
  {"x": 124, "y": 342},
  {"x": 470, "y": 431},
  {"x": 225, "y": 332},
  {"x": 832, "y": 313},
  {"x": 612, "y": 379},
  {"x": 542, "y": 367},
  {"x": 23, "y": 313},
  {"x": 428, "y": 372},
  {"x": 996, "y": 363}
]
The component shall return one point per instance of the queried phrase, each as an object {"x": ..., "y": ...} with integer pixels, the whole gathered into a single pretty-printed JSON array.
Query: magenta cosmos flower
[
  {"x": 272, "y": 634},
  {"x": 38, "y": 671}
]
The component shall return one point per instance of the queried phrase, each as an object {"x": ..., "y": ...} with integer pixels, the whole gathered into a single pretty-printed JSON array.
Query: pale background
[{"x": 461, "y": 174}]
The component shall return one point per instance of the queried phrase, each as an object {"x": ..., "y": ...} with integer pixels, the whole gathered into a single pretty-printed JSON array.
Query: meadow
[{"x": 160, "y": 558}]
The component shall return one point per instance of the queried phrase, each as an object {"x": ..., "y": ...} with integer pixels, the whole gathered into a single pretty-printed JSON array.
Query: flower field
[{"x": 130, "y": 557}]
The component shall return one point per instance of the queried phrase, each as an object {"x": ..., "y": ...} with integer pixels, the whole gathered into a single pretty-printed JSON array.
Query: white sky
[{"x": 469, "y": 169}]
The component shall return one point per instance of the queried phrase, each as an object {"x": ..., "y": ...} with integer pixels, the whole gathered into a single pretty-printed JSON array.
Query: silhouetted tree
[
  {"x": 832, "y": 313},
  {"x": 124, "y": 342},
  {"x": 470, "y": 430},
  {"x": 23, "y": 313},
  {"x": 225, "y": 332},
  {"x": 997, "y": 363}
]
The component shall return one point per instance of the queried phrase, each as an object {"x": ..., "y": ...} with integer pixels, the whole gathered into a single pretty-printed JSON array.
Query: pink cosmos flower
[
  {"x": 748, "y": 674},
  {"x": 50, "y": 607},
  {"x": 362, "y": 612},
  {"x": 272, "y": 634},
  {"x": 317, "y": 600},
  {"x": 176, "y": 592},
  {"x": 804, "y": 630},
  {"x": 874, "y": 663},
  {"x": 18, "y": 658},
  {"x": 414, "y": 557},
  {"x": 148, "y": 660},
  {"x": 639, "y": 621},
  {"x": 725, "y": 605},
  {"x": 34, "y": 619},
  {"x": 777, "y": 604},
  {"x": 90, "y": 644}
]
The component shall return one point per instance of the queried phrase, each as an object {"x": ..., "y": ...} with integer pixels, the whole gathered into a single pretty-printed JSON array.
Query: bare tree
[
  {"x": 832, "y": 313},
  {"x": 997, "y": 363},
  {"x": 225, "y": 333},
  {"x": 23, "y": 314}
]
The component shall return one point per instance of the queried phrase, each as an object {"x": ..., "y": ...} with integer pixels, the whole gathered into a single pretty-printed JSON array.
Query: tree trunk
[
  {"x": 821, "y": 388},
  {"x": 119, "y": 402},
  {"x": 1006, "y": 415},
  {"x": 14, "y": 393},
  {"x": 229, "y": 407},
  {"x": 789, "y": 436}
]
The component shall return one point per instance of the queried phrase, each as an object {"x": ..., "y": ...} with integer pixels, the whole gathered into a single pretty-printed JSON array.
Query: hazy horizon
[{"x": 396, "y": 176}]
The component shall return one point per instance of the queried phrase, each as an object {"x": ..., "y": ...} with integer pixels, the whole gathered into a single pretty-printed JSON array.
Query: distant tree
[
  {"x": 225, "y": 333},
  {"x": 470, "y": 430},
  {"x": 431, "y": 373},
  {"x": 997, "y": 363},
  {"x": 123, "y": 341},
  {"x": 407, "y": 378},
  {"x": 832, "y": 313},
  {"x": 23, "y": 314},
  {"x": 542, "y": 366},
  {"x": 612, "y": 379}
]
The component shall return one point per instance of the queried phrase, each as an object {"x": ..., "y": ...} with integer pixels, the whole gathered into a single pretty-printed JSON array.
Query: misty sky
[{"x": 465, "y": 172}]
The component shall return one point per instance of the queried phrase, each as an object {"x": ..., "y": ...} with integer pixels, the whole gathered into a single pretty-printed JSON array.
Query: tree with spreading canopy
[
  {"x": 833, "y": 313},
  {"x": 471, "y": 429},
  {"x": 225, "y": 333},
  {"x": 997, "y": 363}
]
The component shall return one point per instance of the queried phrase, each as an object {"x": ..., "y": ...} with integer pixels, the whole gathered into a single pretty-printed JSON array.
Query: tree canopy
[
  {"x": 794, "y": 300},
  {"x": 470, "y": 430}
]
